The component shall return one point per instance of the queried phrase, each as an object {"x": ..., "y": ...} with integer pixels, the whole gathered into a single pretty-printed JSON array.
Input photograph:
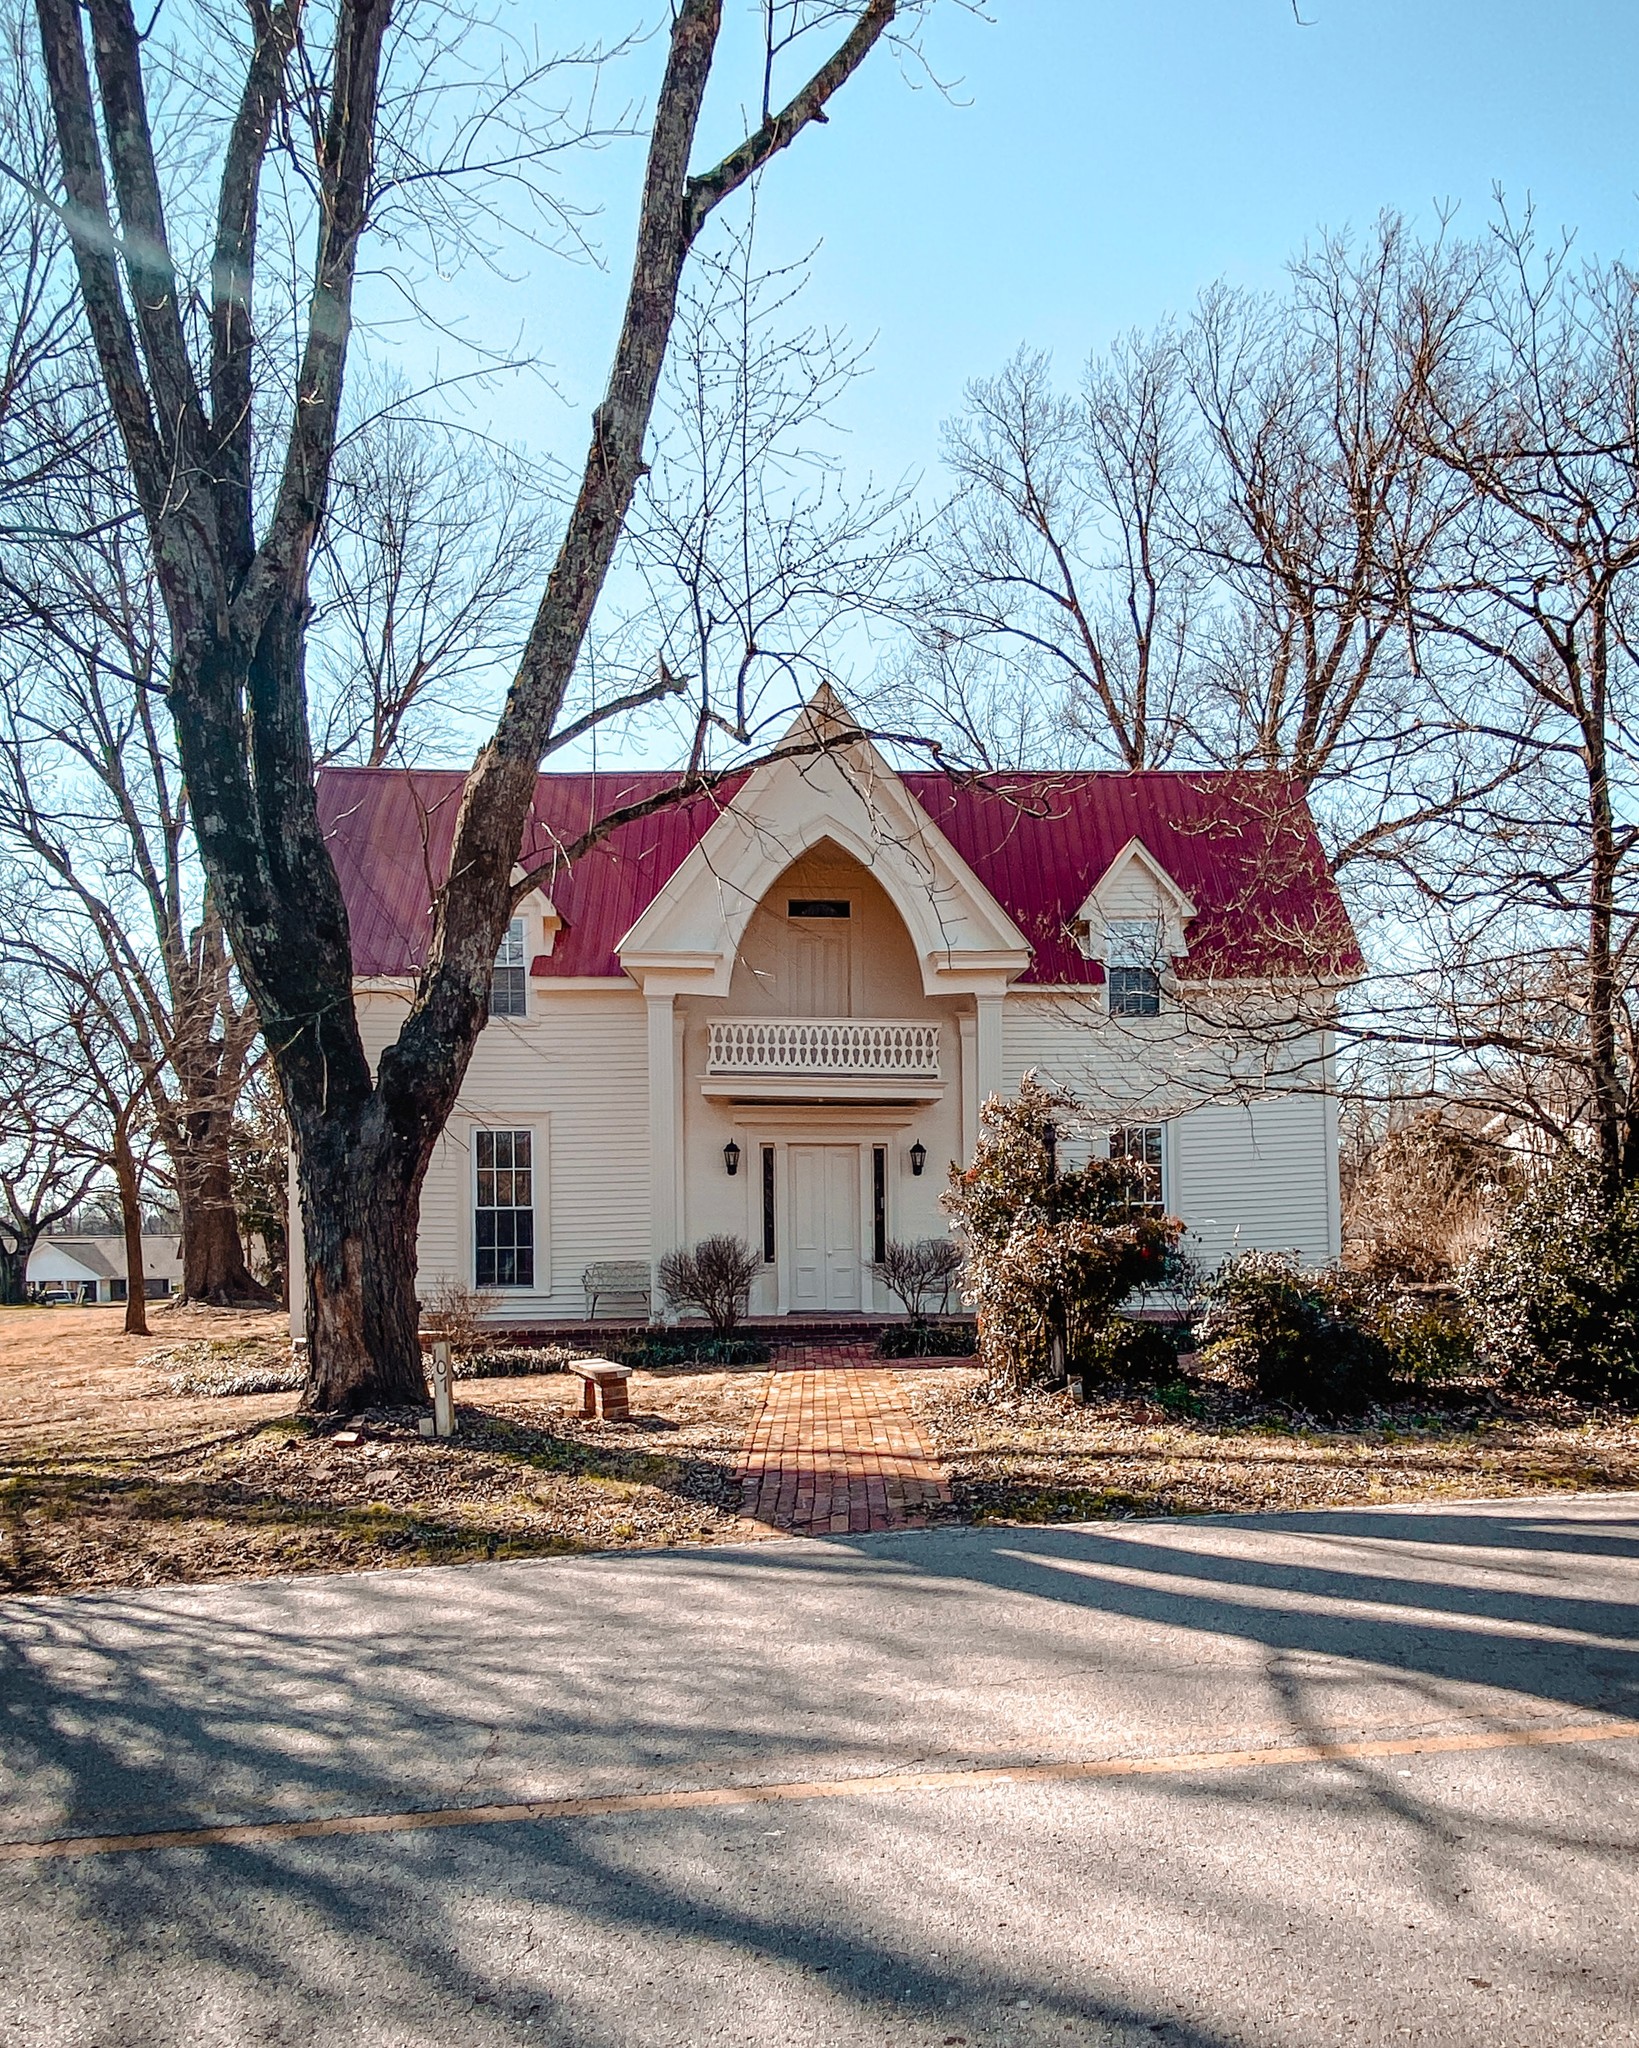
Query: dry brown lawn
[
  {"x": 1041, "y": 1459},
  {"x": 107, "y": 1479}
]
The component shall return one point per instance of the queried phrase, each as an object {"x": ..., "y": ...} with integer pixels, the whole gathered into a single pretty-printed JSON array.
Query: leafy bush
[
  {"x": 1050, "y": 1252},
  {"x": 227, "y": 1366},
  {"x": 1141, "y": 1351},
  {"x": 650, "y": 1354},
  {"x": 1297, "y": 1336},
  {"x": 1554, "y": 1301},
  {"x": 1426, "y": 1340},
  {"x": 713, "y": 1277},
  {"x": 928, "y": 1340},
  {"x": 512, "y": 1361},
  {"x": 915, "y": 1273}
]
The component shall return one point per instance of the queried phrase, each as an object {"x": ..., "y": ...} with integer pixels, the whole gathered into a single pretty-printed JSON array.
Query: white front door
[{"x": 824, "y": 1228}]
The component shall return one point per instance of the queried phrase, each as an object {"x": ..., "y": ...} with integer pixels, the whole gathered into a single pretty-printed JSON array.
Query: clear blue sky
[
  {"x": 1094, "y": 165},
  {"x": 1101, "y": 160}
]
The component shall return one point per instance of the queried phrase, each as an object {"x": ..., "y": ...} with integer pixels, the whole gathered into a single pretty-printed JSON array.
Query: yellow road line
[{"x": 592, "y": 1806}]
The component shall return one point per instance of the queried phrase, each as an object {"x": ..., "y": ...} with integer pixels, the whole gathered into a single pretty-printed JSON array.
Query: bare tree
[
  {"x": 746, "y": 558},
  {"x": 427, "y": 563},
  {"x": 108, "y": 901},
  {"x": 370, "y": 96},
  {"x": 1064, "y": 558},
  {"x": 1532, "y": 407},
  {"x": 46, "y": 1169},
  {"x": 1327, "y": 504}
]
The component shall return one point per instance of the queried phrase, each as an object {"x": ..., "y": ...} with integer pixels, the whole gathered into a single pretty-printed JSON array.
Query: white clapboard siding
[
  {"x": 1251, "y": 1152},
  {"x": 1258, "y": 1176},
  {"x": 575, "y": 1072},
  {"x": 1131, "y": 892}
]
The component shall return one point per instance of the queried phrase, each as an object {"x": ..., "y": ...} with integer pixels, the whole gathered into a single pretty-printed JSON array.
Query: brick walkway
[{"x": 836, "y": 1451}]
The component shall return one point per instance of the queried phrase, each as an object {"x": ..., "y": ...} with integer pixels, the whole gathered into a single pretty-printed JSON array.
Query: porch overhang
[{"x": 821, "y": 1090}]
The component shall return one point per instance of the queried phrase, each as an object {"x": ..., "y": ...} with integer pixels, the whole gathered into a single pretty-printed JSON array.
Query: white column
[
  {"x": 680, "y": 1178},
  {"x": 968, "y": 1039},
  {"x": 663, "y": 1112},
  {"x": 990, "y": 1045}
]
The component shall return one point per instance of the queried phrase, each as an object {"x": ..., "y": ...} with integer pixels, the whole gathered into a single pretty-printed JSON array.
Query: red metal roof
[{"x": 1242, "y": 845}]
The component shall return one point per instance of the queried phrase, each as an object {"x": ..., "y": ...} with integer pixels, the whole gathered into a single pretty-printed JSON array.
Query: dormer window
[
  {"x": 1133, "y": 967},
  {"x": 507, "y": 990}
]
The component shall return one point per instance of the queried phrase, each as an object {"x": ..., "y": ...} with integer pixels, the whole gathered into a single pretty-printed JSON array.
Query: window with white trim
[
  {"x": 507, "y": 992},
  {"x": 1143, "y": 1148},
  {"x": 504, "y": 1208},
  {"x": 1132, "y": 967}
]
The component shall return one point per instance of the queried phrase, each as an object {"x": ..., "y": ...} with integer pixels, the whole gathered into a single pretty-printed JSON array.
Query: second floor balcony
[{"x": 840, "y": 1058}]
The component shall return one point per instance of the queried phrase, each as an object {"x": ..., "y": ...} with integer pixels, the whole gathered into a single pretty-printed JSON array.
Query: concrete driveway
[{"x": 1352, "y": 1777}]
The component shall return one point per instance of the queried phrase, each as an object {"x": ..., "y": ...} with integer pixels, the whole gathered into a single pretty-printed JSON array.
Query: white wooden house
[{"x": 776, "y": 1011}]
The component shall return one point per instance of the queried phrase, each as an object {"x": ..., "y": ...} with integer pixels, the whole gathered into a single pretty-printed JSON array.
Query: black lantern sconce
[
  {"x": 919, "y": 1158},
  {"x": 731, "y": 1158}
]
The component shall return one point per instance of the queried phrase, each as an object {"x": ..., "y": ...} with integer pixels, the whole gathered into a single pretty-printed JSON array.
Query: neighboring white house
[
  {"x": 92, "y": 1269},
  {"x": 776, "y": 1012}
]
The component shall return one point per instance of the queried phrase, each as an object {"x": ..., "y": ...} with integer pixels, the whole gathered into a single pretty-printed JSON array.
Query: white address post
[{"x": 443, "y": 1407}]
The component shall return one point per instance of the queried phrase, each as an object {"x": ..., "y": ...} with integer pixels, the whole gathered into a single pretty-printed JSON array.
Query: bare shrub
[
  {"x": 1422, "y": 1201},
  {"x": 915, "y": 1273},
  {"x": 714, "y": 1277},
  {"x": 457, "y": 1313}
]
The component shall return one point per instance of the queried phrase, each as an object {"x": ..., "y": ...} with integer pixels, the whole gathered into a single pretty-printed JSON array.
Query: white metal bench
[{"x": 616, "y": 1280}]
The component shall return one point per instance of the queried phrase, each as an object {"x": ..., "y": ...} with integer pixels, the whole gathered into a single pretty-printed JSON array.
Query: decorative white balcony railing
[{"x": 866, "y": 1046}]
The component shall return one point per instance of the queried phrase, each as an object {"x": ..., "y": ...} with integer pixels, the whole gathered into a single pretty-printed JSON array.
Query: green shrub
[
  {"x": 1141, "y": 1351},
  {"x": 1427, "y": 1340},
  {"x": 511, "y": 1361},
  {"x": 650, "y": 1354},
  {"x": 1554, "y": 1301},
  {"x": 928, "y": 1340},
  {"x": 1302, "y": 1337}
]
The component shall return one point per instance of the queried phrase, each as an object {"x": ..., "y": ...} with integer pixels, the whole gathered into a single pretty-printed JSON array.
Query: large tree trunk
[
  {"x": 136, "y": 1291},
  {"x": 238, "y": 607},
  {"x": 213, "y": 1254},
  {"x": 14, "y": 1260},
  {"x": 359, "y": 1184}
]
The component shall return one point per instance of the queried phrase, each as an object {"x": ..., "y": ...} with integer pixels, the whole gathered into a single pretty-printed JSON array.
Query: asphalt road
[{"x": 1324, "y": 1778}]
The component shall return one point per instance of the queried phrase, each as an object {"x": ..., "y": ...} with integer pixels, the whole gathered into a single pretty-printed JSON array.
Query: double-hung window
[
  {"x": 504, "y": 1210},
  {"x": 506, "y": 991},
  {"x": 1142, "y": 1147},
  {"x": 1133, "y": 968}
]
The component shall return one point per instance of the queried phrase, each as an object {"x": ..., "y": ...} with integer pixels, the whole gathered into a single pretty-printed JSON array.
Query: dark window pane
[
  {"x": 819, "y": 906},
  {"x": 1135, "y": 992},
  {"x": 879, "y": 1203},
  {"x": 503, "y": 1209},
  {"x": 1140, "y": 1146},
  {"x": 768, "y": 1205},
  {"x": 506, "y": 993}
]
